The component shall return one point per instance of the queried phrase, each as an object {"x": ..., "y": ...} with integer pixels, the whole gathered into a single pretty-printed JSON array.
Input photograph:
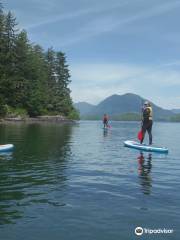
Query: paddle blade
[{"x": 140, "y": 135}]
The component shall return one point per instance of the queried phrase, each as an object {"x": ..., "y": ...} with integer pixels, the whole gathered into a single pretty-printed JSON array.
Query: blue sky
[{"x": 112, "y": 47}]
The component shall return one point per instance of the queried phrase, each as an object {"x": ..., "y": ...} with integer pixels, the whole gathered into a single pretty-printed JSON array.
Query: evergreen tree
[
  {"x": 2, "y": 101},
  {"x": 37, "y": 94},
  {"x": 1, "y": 35},
  {"x": 21, "y": 69},
  {"x": 8, "y": 60},
  {"x": 30, "y": 79},
  {"x": 63, "y": 80},
  {"x": 52, "y": 76}
]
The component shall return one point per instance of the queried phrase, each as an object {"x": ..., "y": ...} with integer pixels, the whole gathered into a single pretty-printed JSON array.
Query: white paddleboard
[{"x": 144, "y": 147}]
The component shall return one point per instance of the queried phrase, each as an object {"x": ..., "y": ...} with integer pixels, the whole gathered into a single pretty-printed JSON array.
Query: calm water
[{"x": 79, "y": 182}]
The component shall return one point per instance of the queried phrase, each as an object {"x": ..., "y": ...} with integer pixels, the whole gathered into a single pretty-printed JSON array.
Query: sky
[{"x": 112, "y": 47}]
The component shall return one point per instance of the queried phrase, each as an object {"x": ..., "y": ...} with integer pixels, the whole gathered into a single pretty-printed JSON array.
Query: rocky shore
[{"x": 51, "y": 119}]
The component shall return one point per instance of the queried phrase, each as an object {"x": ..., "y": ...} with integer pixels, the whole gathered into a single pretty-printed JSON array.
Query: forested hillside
[{"x": 32, "y": 81}]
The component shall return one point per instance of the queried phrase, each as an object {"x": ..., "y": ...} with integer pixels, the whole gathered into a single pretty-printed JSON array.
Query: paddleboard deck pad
[
  {"x": 144, "y": 147},
  {"x": 6, "y": 147}
]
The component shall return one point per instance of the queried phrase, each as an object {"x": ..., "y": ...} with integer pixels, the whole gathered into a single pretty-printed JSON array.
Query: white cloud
[
  {"x": 74, "y": 14},
  {"x": 102, "y": 18},
  {"x": 104, "y": 72},
  {"x": 94, "y": 82},
  {"x": 95, "y": 94},
  {"x": 110, "y": 23}
]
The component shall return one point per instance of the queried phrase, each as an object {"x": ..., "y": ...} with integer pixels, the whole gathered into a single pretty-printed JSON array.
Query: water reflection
[
  {"x": 36, "y": 173},
  {"x": 105, "y": 132},
  {"x": 6, "y": 155},
  {"x": 144, "y": 170}
]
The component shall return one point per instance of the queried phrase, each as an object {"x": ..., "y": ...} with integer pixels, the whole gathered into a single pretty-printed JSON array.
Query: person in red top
[{"x": 105, "y": 120}]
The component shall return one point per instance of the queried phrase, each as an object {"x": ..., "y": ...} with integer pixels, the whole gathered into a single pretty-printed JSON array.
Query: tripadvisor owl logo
[{"x": 138, "y": 231}]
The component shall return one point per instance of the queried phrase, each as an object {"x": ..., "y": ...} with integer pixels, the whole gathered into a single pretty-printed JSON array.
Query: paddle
[
  {"x": 107, "y": 126},
  {"x": 140, "y": 135}
]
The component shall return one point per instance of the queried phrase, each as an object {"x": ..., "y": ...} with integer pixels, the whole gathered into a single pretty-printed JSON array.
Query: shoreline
[{"x": 39, "y": 119}]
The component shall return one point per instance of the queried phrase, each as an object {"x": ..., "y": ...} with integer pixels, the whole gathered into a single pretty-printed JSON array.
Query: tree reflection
[{"x": 36, "y": 172}]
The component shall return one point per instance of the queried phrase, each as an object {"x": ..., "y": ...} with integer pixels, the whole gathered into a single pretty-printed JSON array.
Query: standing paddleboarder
[
  {"x": 105, "y": 120},
  {"x": 147, "y": 121}
]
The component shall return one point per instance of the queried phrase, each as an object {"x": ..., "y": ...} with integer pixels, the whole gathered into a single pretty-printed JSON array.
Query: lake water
[{"x": 78, "y": 182}]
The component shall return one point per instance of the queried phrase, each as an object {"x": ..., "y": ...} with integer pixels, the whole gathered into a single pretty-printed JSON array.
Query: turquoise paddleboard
[
  {"x": 6, "y": 147},
  {"x": 144, "y": 147}
]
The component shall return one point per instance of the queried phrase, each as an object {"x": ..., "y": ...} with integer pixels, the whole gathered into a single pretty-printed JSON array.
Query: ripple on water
[{"x": 77, "y": 182}]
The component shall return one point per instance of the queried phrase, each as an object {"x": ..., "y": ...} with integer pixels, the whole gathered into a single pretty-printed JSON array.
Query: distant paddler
[
  {"x": 105, "y": 121},
  {"x": 147, "y": 121}
]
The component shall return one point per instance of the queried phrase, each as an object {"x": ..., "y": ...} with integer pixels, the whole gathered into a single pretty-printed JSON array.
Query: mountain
[
  {"x": 176, "y": 110},
  {"x": 83, "y": 107},
  {"x": 119, "y": 105}
]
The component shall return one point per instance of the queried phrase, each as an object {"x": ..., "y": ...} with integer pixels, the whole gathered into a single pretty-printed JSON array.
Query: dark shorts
[{"x": 147, "y": 125}]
